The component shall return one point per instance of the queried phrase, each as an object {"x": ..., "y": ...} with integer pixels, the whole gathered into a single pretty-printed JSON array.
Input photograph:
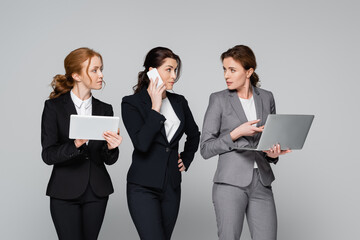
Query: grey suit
[{"x": 234, "y": 178}]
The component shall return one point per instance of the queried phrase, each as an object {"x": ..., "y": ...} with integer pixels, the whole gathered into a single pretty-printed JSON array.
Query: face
[
  {"x": 235, "y": 75},
  {"x": 95, "y": 72},
  {"x": 168, "y": 71}
]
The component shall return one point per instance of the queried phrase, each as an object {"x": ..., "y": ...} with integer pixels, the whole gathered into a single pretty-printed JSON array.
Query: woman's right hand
[
  {"x": 80, "y": 142},
  {"x": 246, "y": 129},
  {"x": 156, "y": 94}
]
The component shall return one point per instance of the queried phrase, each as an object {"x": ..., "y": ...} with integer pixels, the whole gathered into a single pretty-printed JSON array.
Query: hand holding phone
[{"x": 153, "y": 74}]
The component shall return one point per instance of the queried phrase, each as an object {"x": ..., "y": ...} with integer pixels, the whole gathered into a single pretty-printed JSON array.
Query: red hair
[{"x": 73, "y": 64}]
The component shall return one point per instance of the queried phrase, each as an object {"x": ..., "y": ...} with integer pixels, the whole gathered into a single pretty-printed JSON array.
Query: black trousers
[
  {"x": 154, "y": 211},
  {"x": 80, "y": 218}
]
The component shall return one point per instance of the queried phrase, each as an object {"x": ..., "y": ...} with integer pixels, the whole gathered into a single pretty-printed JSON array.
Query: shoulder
[
  {"x": 131, "y": 98},
  {"x": 263, "y": 92},
  {"x": 53, "y": 102},
  {"x": 101, "y": 103},
  {"x": 218, "y": 96}
]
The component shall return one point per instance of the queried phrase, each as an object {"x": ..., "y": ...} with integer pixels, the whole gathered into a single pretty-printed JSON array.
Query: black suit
[
  {"x": 76, "y": 172},
  {"x": 155, "y": 160}
]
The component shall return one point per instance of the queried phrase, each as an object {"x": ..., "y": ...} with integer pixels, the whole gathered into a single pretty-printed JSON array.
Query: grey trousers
[{"x": 255, "y": 201}]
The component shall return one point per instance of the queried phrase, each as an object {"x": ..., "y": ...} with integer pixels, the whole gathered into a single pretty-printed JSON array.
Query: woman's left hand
[
  {"x": 276, "y": 151},
  {"x": 113, "y": 140},
  {"x": 181, "y": 165}
]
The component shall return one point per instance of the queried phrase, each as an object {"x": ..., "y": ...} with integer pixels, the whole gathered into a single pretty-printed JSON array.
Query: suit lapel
[
  {"x": 179, "y": 111},
  {"x": 236, "y": 104}
]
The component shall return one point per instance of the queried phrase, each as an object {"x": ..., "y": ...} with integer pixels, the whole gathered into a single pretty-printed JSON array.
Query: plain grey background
[{"x": 308, "y": 56}]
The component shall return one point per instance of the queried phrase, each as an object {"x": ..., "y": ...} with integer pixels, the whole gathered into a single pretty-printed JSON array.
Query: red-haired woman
[{"x": 79, "y": 185}]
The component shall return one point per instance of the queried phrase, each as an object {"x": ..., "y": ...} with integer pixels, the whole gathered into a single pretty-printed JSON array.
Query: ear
[
  {"x": 151, "y": 68},
  {"x": 76, "y": 77},
  {"x": 249, "y": 72}
]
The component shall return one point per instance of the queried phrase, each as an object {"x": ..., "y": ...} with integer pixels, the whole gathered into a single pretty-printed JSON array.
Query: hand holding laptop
[{"x": 276, "y": 151}]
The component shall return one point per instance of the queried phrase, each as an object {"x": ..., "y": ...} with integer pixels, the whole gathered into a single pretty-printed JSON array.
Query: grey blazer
[{"x": 223, "y": 115}]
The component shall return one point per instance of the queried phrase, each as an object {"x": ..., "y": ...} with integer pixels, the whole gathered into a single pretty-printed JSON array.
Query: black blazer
[
  {"x": 74, "y": 169},
  {"x": 154, "y": 157}
]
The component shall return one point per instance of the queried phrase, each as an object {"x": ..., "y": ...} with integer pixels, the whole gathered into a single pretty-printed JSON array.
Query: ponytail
[
  {"x": 61, "y": 84},
  {"x": 143, "y": 81},
  {"x": 254, "y": 79}
]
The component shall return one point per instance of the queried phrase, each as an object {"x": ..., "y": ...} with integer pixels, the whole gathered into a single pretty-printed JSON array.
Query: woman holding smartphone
[
  {"x": 235, "y": 118},
  {"x": 79, "y": 185},
  {"x": 156, "y": 120}
]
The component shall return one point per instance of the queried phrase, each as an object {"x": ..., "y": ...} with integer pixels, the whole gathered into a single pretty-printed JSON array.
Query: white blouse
[{"x": 172, "y": 122}]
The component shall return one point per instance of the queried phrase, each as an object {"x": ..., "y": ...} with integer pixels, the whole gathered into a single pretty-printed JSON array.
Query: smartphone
[{"x": 153, "y": 74}]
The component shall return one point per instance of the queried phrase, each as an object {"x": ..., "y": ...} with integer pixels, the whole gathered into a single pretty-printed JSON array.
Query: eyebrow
[{"x": 170, "y": 66}]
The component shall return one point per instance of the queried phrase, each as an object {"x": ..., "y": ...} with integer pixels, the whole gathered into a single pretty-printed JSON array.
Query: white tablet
[{"x": 91, "y": 127}]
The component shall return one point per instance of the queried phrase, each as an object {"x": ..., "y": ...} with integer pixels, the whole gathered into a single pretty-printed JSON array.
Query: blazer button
[
  {"x": 161, "y": 122},
  {"x": 230, "y": 148},
  {"x": 167, "y": 149}
]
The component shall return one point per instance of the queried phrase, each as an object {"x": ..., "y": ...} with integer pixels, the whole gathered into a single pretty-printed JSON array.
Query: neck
[
  {"x": 245, "y": 91},
  {"x": 164, "y": 94},
  {"x": 81, "y": 91}
]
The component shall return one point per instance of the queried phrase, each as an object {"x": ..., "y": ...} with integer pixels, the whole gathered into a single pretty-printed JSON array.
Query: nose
[
  {"x": 226, "y": 74},
  {"x": 173, "y": 75},
  {"x": 100, "y": 74}
]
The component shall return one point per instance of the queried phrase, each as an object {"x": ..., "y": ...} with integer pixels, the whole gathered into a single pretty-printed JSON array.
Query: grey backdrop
[{"x": 308, "y": 56}]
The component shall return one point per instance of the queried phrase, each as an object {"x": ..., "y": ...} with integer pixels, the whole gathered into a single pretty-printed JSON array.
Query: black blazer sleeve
[
  {"x": 109, "y": 157},
  {"x": 54, "y": 151},
  {"x": 192, "y": 136},
  {"x": 141, "y": 131}
]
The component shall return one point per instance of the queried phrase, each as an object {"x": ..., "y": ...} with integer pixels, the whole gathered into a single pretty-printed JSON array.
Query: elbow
[
  {"x": 46, "y": 159},
  {"x": 205, "y": 153}
]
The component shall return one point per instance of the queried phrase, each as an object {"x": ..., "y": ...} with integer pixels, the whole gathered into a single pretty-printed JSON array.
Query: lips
[{"x": 228, "y": 83}]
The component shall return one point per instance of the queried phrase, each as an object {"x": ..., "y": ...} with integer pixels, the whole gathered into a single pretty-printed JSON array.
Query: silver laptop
[
  {"x": 290, "y": 131},
  {"x": 91, "y": 127}
]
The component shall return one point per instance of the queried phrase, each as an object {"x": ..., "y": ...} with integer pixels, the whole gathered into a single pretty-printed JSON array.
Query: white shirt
[
  {"x": 82, "y": 107},
  {"x": 172, "y": 122},
  {"x": 250, "y": 111}
]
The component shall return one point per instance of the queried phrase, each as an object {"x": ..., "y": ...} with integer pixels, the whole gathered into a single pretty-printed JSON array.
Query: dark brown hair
[
  {"x": 246, "y": 57},
  {"x": 155, "y": 58},
  {"x": 73, "y": 64}
]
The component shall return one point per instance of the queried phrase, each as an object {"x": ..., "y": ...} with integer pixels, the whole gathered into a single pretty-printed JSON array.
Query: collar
[{"x": 78, "y": 102}]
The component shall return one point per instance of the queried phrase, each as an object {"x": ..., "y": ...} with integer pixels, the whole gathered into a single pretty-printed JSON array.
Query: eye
[
  {"x": 232, "y": 70},
  {"x": 169, "y": 69}
]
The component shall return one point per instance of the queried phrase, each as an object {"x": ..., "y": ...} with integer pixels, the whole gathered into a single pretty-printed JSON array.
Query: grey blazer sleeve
[{"x": 214, "y": 141}]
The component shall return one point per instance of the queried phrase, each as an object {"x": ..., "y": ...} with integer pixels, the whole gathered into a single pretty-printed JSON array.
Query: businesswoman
[
  {"x": 79, "y": 185},
  {"x": 156, "y": 120},
  {"x": 235, "y": 118}
]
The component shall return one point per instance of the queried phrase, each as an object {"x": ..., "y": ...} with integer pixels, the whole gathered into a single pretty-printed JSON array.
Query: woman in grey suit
[{"x": 235, "y": 118}]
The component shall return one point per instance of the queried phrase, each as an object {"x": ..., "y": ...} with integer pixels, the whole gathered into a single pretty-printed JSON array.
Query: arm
[
  {"x": 108, "y": 156},
  {"x": 54, "y": 152},
  {"x": 192, "y": 137},
  {"x": 212, "y": 141},
  {"x": 141, "y": 131},
  {"x": 272, "y": 111}
]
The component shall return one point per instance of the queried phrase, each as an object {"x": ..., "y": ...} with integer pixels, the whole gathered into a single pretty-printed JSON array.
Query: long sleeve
[
  {"x": 214, "y": 142},
  {"x": 141, "y": 131},
  {"x": 54, "y": 152},
  {"x": 109, "y": 157},
  {"x": 192, "y": 137}
]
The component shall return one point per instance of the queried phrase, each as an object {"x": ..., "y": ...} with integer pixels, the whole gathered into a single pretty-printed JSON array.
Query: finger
[
  {"x": 262, "y": 127},
  {"x": 180, "y": 165},
  {"x": 253, "y": 121},
  {"x": 156, "y": 81},
  {"x": 257, "y": 129},
  {"x": 180, "y": 160}
]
